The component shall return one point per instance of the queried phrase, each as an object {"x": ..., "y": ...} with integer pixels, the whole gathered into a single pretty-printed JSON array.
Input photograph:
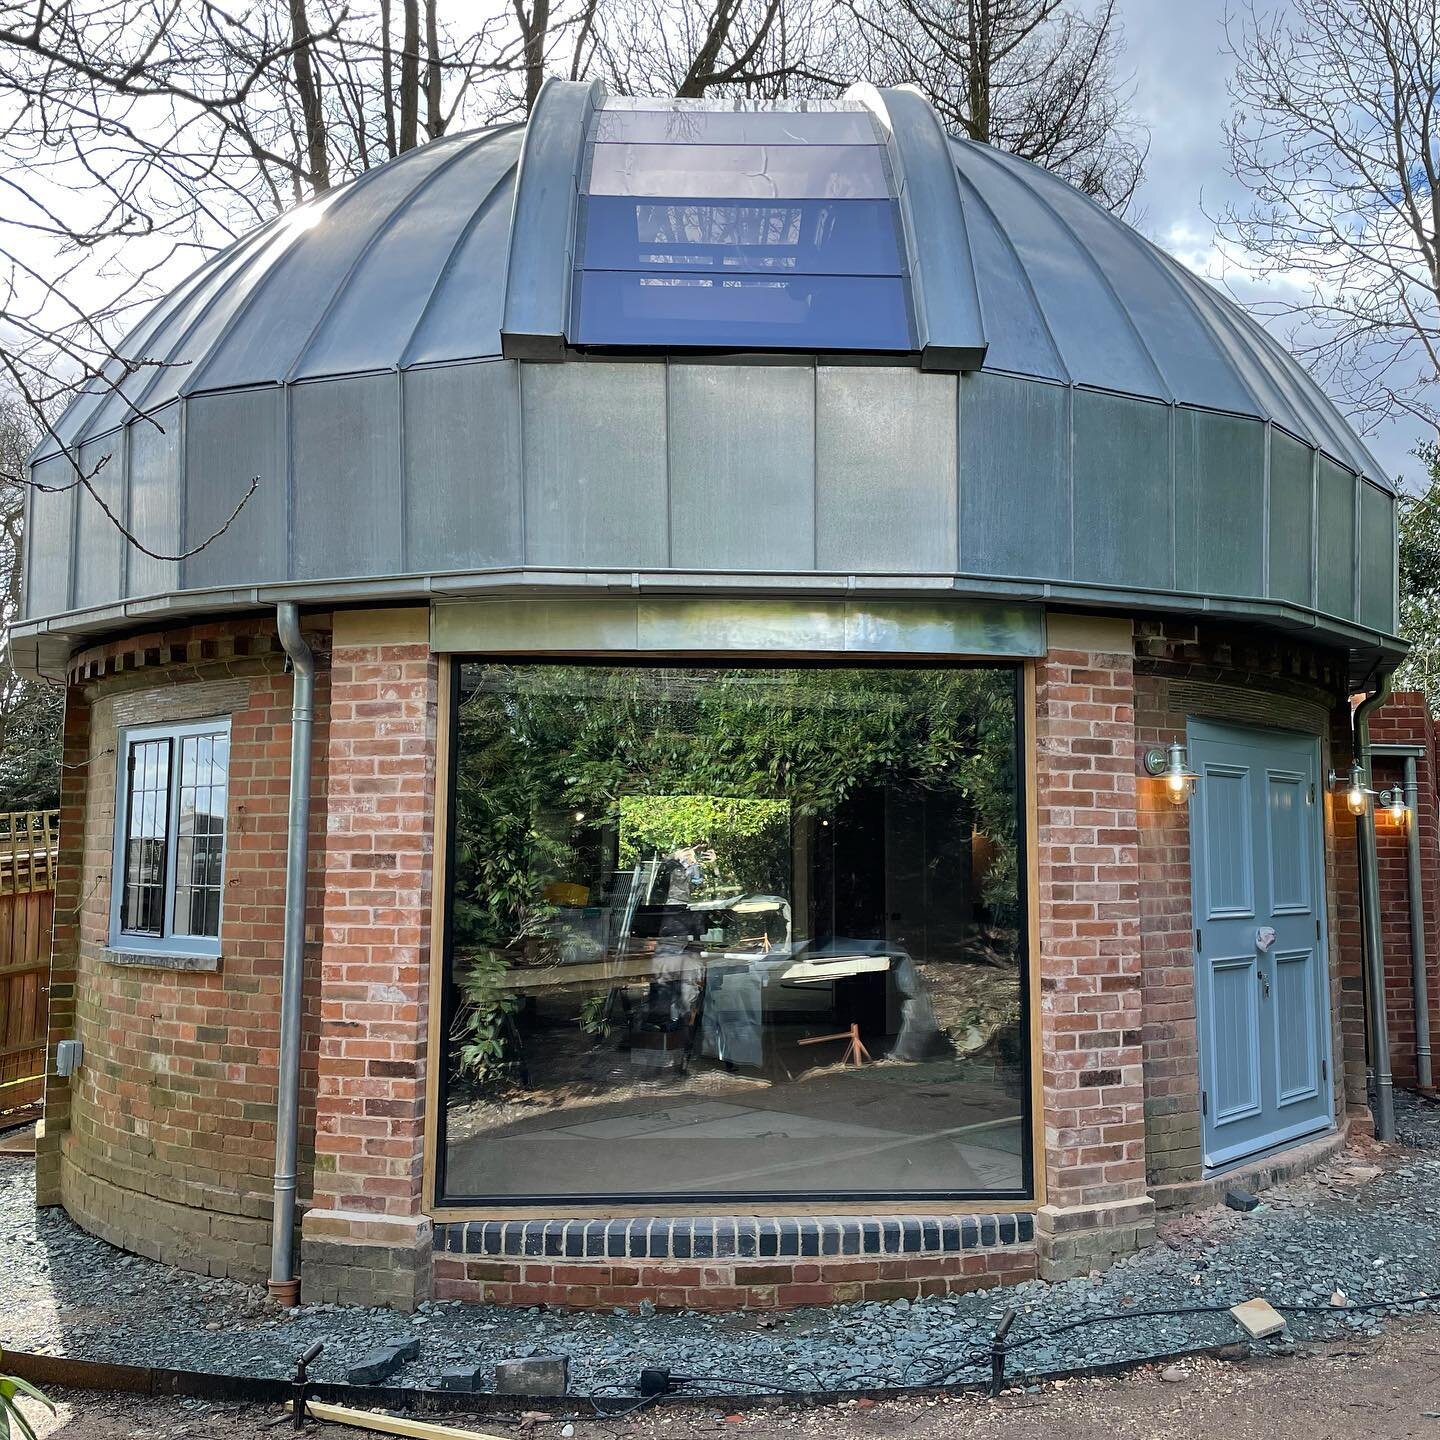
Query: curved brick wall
[{"x": 163, "y": 1143}]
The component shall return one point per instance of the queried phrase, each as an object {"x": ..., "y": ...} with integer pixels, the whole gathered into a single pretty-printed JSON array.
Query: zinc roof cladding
[{"x": 405, "y": 266}]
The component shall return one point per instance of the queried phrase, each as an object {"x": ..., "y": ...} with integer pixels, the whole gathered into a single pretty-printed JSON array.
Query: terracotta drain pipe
[
  {"x": 284, "y": 1283},
  {"x": 1370, "y": 925},
  {"x": 1424, "y": 1076}
]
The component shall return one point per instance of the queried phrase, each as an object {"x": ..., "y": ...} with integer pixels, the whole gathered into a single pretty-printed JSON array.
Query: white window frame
[{"x": 169, "y": 944}]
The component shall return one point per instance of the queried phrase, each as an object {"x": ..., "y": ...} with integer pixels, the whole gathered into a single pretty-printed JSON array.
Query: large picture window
[
  {"x": 170, "y": 838},
  {"x": 726, "y": 932}
]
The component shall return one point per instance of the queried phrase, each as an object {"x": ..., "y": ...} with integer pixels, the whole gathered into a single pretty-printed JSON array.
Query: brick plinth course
[{"x": 726, "y": 1285}]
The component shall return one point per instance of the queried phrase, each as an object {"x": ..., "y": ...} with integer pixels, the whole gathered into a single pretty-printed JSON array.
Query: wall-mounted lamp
[
  {"x": 1170, "y": 765},
  {"x": 1357, "y": 796},
  {"x": 1394, "y": 801}
]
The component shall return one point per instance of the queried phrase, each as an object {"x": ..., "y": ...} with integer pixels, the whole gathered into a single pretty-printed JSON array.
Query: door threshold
[{"x": 1255, "y": 1157}]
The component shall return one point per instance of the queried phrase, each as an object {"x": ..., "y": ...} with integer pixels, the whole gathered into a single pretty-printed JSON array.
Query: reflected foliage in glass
[{"x": 735, "y": 931}]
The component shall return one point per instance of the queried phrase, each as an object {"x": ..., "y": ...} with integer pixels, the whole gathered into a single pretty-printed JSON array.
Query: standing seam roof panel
[
  {"x": 405, "y": 266},
  {"x": 164, "y": 335},
  {"x": 1175, "y": 333},
  {"x": 400, "y": 263},
  {"x": 270, "y": 332},
  {"x": 461, "y": 320},
  {"x": 1018, "y": 335},
  {"x": 1095, "y": 338}
]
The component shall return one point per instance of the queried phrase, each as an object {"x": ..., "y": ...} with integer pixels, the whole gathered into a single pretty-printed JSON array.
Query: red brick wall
[
  {"x": 166, "y": 1136},
  {"x": 1089, "y": 939},
  {"x": 725, "y": 1285},
  {"x": 376, "y": 967},
  {"x": 1405, "y": 719}
]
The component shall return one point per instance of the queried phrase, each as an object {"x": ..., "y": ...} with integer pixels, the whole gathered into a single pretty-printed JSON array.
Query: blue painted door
[{"x": 1261, "y": 976}]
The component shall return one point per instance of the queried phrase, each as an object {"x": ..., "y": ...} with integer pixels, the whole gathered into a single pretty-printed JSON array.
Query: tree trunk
[
  {"x": 434, "y": 117},
  {"x": 308, "y": 84},
  {"x": 387, "y": 76},
  {"x": 410, "y": 78},
  {"x": 536, "y": 30},
  {"x": 977, "y": 81}
]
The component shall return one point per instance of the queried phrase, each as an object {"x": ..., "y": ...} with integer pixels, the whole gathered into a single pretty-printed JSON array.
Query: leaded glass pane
[
  {"x": 200, "y": 834},
  {"x": 147, "y": 837}
]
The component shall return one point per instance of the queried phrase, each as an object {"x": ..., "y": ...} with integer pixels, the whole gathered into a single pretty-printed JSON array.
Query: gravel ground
[
  {"x": 1385, "y": 1388},
  {"x": 1366, "y": 1225}
]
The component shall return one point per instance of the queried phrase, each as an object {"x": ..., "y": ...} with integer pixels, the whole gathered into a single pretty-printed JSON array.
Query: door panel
[
  {"x": 1235, "y": 1040},
  {"x": 1228, "y": 866},
  {"x": 1297, "y": 1075},
  {"x": 1289, "y": 846},
  {"x": 1261, "y": 984}
]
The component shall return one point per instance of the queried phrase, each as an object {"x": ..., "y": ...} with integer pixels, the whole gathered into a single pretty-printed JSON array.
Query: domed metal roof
[
  {"x": 1075, "y": 416},
  {"x": 407, "y": 266}
]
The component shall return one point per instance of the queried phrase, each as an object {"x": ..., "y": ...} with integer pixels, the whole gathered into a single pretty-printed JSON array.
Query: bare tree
[
  {"x": 30, "y": 710},
  {"x": 1038, "y": 78},
  {"x": 696, "y": 48},
  {"x": 1334, "y": 131},
  {"x": 133, "y": 132}
]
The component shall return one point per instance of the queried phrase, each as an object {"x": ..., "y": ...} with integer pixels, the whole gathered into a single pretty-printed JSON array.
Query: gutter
[
  {"x": 1378, "y": 1025},
  {"x": 284, "y": 1282}
]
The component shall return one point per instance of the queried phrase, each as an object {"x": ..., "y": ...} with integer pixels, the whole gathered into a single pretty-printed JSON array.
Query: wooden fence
[{"x": 28, "y": 844}]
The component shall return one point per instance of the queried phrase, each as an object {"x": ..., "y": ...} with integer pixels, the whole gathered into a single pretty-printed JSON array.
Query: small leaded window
[{"x": 170, "y": 837}]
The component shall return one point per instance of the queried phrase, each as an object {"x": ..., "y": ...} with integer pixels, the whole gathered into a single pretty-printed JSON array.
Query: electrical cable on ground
[{"x": 979, "y": 1359}]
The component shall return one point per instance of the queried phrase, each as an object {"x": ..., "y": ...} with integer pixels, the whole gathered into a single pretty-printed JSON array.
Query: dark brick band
[{"x": 739, "y": 1238}]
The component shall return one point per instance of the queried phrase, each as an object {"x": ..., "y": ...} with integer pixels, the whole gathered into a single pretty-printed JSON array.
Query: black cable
[
  {"x": 1282, "y": 1306},
  {"x": 620, "y": 1414},
  {"x": 981, "y": 1358},
  {"x": 733, "y": 1380}
]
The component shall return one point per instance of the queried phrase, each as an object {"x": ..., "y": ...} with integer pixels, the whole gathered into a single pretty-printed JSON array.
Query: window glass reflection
[
  {"x": 774, "y": 312},
  {"x": 734, "y": 931},
  {"x": 835, "y": 237},
  {"x": 679, "y": 124},
  {"x": 760, "y": 172}
]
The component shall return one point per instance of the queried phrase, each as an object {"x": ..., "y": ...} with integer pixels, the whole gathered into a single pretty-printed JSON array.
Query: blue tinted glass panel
[
  {"x": 740, "y": 172},
  {"x": 797, "y": 237},
  {"x": 687, "y": 126},
  {"x": 803, "y": 312}
]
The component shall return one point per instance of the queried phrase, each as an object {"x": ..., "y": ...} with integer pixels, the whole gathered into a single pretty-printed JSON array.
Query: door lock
[{"x": 1264, "y": 980}]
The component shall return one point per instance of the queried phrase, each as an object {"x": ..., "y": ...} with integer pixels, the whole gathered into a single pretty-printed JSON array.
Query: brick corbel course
[
  {"x": 365, "y": 1240},
  {"x": 1097, "y": 1207}
]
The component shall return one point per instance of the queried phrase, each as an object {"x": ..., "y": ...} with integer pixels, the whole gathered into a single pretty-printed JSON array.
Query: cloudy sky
[{"x": 1176, "y": 50}]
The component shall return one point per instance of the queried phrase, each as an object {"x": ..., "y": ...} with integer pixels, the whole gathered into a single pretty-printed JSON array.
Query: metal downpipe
[
  {"x": 1424, "y": 1076},
  {"x": 1370, "y": 926},
  {"x": 284, "y": 1284}
]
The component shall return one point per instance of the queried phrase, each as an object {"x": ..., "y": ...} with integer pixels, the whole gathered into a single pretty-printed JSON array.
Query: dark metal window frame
[{"x": 728, "y": 1201}]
